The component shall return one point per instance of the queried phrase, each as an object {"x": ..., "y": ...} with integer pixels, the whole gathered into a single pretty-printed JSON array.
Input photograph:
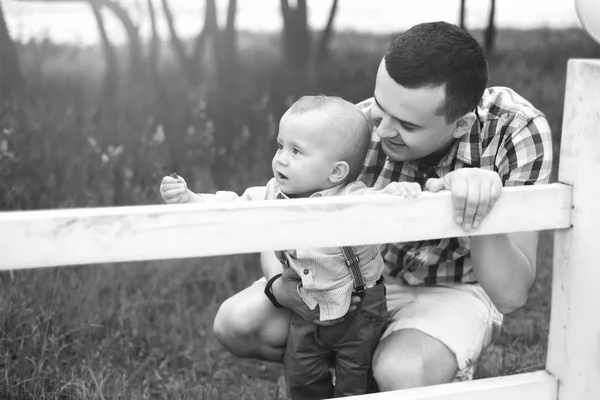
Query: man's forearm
[{"x": 503, "y": 269}]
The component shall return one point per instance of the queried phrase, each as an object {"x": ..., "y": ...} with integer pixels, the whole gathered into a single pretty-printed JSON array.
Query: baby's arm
[{"x": 174, "y": 190}]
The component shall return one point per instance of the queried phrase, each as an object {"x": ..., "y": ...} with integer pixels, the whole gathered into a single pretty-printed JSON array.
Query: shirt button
[{"x": 305, "y": 271}]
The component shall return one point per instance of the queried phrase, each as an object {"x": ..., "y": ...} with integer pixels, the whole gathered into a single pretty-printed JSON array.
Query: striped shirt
[
  {"x": 325, "y": 279},
  {"x": 510, "y": 137}
]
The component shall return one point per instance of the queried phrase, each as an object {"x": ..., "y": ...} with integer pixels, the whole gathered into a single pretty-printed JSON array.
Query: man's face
[
  {"x": 306, "y": 153},
  {"x": 407, "y": 122}
]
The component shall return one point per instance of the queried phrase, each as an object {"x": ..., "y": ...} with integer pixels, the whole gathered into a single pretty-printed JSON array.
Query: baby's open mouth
[{"x": 281, "y": 176}]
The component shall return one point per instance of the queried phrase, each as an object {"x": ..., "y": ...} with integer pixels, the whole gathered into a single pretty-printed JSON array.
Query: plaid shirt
[
  {"x": 325, "y": 278},
  {"x": 510, "y": 137}
]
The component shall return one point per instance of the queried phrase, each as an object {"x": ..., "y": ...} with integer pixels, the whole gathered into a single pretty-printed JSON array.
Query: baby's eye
[
  {"x": 279, "y": 146},
  {"x": 296, "y": 151}
]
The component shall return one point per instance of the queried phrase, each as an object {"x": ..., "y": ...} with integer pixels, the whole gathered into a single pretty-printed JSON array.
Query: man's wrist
[{"x": 269, "y": 291}]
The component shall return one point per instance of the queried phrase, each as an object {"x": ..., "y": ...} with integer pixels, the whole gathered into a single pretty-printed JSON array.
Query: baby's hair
[{"x": 345, "y": 118}]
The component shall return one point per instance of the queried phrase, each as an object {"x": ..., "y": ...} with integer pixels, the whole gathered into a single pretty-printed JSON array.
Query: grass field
[{"x": 144, "y": 330}]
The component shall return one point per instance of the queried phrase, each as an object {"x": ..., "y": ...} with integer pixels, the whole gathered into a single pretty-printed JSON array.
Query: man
[{"x": 435, "y": 123}]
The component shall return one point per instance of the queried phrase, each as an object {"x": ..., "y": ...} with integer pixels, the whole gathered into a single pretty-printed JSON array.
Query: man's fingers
[
  {"x": 434, "y": 184},
  {"x": 460, "y": 191},
  {"x": 414, "y": 189},
  {"x": 485, "y": 194},
  {"x": 471, "y": 205}
]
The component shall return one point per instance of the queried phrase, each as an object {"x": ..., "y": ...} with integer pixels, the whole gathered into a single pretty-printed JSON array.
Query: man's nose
[{"x": 385, "y": 132}]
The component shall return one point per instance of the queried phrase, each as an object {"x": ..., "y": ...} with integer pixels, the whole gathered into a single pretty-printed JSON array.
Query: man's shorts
[{"x": 461, "y": 316}]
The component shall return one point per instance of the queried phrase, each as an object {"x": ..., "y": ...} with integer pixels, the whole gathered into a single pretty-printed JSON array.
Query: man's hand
[
  {"x": 286, "y": 293},
  {"x": 173, "y": 190},
  {"x": 404, "y": 189},
  {"x": 474, "y": 193}
]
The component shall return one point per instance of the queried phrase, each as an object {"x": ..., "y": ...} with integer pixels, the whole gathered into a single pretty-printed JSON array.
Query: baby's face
[{"x": 306, "y": 153}]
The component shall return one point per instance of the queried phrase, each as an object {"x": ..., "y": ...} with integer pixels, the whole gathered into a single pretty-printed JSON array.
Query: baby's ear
[{"x": 339, "y": 172}]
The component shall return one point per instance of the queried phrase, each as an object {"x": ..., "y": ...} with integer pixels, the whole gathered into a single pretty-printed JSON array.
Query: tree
[
  {"x": 300, "y": 53},
  {"x": 11, "y": 75},
  {"x": 213, "y": 50},
  {"x": 490, "y": 31},
  {"x": 462, "y": 14},
  {"x": 112, "y": 75},
  {"x": 154, "y": 51},
  {"x": 133, "y": 35}
]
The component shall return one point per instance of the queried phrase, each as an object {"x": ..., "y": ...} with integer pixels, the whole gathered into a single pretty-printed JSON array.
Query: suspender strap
[{"x": 352, "y": 263}]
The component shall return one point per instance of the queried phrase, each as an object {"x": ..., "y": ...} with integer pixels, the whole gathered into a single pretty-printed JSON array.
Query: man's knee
[
  {"x": 235, "y": 326},
  {"x": 249, "y": 326},
  {"x": 404, "y": 361}
]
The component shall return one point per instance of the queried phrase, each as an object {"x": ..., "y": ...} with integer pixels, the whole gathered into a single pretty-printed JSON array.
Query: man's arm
[{"x": 504, "y": 264}]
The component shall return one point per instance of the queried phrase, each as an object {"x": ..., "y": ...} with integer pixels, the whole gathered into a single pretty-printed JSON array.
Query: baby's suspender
[{"x": 352, "y": 261}]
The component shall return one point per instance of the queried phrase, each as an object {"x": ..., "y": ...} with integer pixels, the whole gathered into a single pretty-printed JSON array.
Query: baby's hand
[
  {"x": 404, "y": 189},
  {"x": 173, "y": 189}
]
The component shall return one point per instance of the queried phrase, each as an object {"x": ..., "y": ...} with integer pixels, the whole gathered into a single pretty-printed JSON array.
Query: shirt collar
[
  {"x": 469, "y": 147},
  {"x": 333, "y": 191}
]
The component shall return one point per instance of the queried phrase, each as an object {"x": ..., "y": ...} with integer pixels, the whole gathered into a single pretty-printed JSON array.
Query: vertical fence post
[{"x": 574, "y": 343}]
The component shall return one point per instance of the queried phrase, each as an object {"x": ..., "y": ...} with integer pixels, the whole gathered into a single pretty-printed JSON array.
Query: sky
[{"x": 74, "y": 23}]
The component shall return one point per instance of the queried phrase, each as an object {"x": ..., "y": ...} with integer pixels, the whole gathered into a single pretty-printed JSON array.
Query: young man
[{"x": 435, "y": 123}]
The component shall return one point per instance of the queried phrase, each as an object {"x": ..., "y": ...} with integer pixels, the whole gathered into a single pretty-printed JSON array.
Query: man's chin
[{"x": 396, "y": 152}]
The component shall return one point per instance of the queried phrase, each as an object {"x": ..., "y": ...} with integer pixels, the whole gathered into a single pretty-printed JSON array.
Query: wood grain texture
[
  {"x": 98, "y": 235},
  {"x": 574, "y": 342},
  {"x": 530, "y": 386}
]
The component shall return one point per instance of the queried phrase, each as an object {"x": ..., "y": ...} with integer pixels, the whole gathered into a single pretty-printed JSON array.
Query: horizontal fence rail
[
  {"x": 530, "y": 386},
  {"x": 113, "y": 234}
]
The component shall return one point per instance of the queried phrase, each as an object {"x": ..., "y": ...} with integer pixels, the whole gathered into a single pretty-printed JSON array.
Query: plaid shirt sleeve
[{"x": 525, "y": 158}]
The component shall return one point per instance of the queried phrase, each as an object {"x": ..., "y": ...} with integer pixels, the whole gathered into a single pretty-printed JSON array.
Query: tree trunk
[
  {"x": 490, "y": 32},
  {"x": 176, "y": 43},
  {"x": 111, "y": 76},
  {"x": 154, "y": 51},
  {"x": 204, "y": 56},
  {"x": 227, "y": 45},
  {"x": 296, "y": 36},
  {"x": 325, "y": 39},
  {"x": 135, "y": 47},
  {"x": 322, "y": 51},
  {"x": 11, "y": 75},
  {"x": 462, "y": 14}
]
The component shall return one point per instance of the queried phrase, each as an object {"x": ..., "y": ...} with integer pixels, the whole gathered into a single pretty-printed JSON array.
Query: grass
[{"x": 144, "y": 330}]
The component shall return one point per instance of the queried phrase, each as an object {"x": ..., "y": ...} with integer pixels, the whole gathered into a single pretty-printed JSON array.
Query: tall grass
[{"x": 144, "y": 330}]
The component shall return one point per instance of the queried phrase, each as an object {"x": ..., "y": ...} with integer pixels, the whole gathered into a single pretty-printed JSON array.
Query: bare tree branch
[
  {"x": 178, "y": 47},
  {"x": 135, "y": 47},
  {"x": 154, "y": 52}
]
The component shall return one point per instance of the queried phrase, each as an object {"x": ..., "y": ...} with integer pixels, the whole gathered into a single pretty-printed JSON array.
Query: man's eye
[{"x": 408, "y": 128}]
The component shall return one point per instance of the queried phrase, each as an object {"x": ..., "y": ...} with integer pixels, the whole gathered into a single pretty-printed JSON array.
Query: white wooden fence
[{"x": 84, "y": 236}]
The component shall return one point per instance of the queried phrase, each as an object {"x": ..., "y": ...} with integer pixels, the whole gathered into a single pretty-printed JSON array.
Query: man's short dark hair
[{"x": 438, "y": 53}]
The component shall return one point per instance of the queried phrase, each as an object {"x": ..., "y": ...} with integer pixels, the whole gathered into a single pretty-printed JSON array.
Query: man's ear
[
  {"x": 463, "y": 125},
  {"x": 339, "y": 172}
]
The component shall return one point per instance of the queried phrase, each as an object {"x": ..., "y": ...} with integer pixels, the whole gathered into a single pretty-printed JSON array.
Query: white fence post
[{"x": 574, "y": 343}]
